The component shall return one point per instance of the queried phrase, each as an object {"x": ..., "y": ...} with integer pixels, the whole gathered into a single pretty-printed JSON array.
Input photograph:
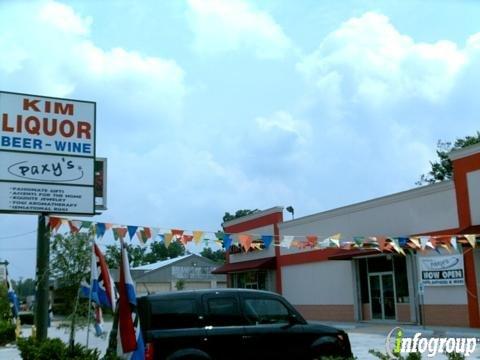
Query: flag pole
[{"x": 91, "y": 288}]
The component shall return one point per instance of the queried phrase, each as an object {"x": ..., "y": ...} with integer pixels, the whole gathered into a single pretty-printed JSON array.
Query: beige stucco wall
[
  {"x": 312, "y": 284},
  {"x": 412, "y": 212}
]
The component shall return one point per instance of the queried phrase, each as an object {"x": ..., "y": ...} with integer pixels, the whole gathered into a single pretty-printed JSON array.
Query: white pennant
[{"x": 287, "y": 241}]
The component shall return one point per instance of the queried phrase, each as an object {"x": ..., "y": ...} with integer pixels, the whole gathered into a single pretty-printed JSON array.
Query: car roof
[{"x": 199, "y": 293}]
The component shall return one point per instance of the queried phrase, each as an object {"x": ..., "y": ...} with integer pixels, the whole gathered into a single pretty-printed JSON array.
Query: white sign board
[
  {"x": 442, "y": 270},
  {"x": 47, "y": 146}
]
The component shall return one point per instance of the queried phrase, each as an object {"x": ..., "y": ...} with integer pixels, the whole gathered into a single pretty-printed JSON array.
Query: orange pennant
[
  {"x": 186, "y": 238},
  {"x": 246, "y": 241},
  {"x": 311, "y": 241}
]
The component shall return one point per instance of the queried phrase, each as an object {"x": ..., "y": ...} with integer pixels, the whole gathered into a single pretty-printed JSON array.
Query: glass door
[{"x": 382, "y": 296}]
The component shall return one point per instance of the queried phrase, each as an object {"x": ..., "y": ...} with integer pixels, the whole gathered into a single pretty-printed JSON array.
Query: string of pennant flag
[{"x": 248, "y": 241}]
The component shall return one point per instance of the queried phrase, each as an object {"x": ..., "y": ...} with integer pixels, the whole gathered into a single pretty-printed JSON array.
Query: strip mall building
[{"x": 366, "y": 285}]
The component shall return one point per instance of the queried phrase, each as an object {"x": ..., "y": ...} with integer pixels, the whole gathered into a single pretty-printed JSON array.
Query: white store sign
[
  {"x": 47, "y": 144},
  {"x": 442, "y": 270},
  {"x": 45, "y": 198}
]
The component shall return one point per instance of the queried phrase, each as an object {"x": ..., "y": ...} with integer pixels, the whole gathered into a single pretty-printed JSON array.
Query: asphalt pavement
[{"x": 363, "y": 337}]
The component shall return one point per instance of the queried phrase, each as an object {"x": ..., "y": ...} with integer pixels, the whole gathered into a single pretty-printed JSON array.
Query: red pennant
[
  {"x": 186, "y": 239},
  {"x": 73, "y": 228},
  {"x": 177, "y": 233},
  {"x": 54, "y": 223}
]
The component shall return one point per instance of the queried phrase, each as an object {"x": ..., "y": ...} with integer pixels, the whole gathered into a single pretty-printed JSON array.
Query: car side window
[
  {"x": 223, "y": 311},
  {"x": 265, "y": 311},
  {"x": 174, "y": 314}
]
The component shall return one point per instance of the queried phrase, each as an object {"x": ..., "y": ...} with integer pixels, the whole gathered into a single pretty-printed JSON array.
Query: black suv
[{"x": 233, "y": 324}]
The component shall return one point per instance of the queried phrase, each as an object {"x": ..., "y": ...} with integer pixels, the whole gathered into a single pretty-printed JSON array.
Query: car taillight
[{"x": 149, "y": 351}]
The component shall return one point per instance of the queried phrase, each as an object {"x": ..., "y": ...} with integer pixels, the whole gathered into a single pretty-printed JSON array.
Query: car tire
[
  {"x": 189, "y": 354},
  {"x": 327, "y": 350}
]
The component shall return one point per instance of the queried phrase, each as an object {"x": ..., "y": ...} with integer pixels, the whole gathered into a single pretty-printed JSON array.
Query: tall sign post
[{"x": 47, "y": 155}]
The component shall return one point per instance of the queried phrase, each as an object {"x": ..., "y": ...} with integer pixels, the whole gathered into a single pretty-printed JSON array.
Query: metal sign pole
[{"x": 42, "y": 276}]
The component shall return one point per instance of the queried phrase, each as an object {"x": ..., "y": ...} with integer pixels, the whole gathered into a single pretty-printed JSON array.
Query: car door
[
  {"x": 224, "y": 326},
  {"x": 271, "y": 331}
]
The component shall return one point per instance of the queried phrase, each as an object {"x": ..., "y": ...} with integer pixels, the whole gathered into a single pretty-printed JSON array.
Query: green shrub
[
  {"x": 7, "y": 332},
  {"x": 382, "y": 356},
  {"x": 54, "y": 349}
]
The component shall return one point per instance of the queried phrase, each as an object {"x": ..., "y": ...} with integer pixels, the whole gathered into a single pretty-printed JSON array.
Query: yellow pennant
[
  {"x": 197, "y": 236},
  {"x": 167, "y": 238},
  {"x": 471, "y": 240}
]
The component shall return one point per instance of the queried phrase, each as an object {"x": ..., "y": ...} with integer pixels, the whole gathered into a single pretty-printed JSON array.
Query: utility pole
[{"x": 42, "y": 279}]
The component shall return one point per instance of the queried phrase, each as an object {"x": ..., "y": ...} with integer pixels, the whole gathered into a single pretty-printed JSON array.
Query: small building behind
[{"x": 186, "y": 272}]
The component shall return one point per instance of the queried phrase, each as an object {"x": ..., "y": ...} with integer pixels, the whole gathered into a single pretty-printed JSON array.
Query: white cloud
[
  {"x": 222, "y": 26},
  {"x": 368, "y": 60},
  {"x": 61, "y": 60}
]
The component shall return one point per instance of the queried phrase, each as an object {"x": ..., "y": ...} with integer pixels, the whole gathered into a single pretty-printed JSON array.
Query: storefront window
[
  {"x": 401, "y": 280},
  {"x": 251, "y": 280}
]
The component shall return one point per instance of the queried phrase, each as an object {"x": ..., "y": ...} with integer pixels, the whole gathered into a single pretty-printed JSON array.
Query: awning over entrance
[{"x": 266, "y": 263}]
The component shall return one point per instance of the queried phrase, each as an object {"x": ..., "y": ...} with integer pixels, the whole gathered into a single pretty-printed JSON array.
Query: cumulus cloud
[
  {"x": 222, "y": 26},
  {"x": 62, "y": 60},
  {"x": 367, "y": 59}
]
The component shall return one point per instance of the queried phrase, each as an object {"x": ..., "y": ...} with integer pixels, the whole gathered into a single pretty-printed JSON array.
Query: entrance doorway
[{"x": 382, "y": 296}]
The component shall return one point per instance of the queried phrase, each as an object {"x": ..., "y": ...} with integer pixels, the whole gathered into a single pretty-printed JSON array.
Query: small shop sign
[{"x": 442, "y": 270}]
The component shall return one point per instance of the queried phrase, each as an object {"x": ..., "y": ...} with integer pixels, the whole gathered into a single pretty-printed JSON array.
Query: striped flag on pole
[
  {"x": 103, "y": 288},
  {"x": 129, "y": 343},
  {"x": 12, "y": 297}
]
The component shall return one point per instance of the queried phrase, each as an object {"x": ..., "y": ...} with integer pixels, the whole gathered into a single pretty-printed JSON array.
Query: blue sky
[{"x": 208, "y": 106}]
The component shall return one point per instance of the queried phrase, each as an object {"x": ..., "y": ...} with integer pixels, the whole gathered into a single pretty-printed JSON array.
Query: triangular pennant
[
  {"x": 227, "y": 241},
  {"x": 131, "y": 231},
  {"x": 85, "y": 224},
  {"x": 472, "y": 239},
  {"x": 396, "y": 246},
  {"x": 324, "y": 244},
  {"x": 177, "y": 233},
  {"x": 267, "y": 240},
  {"x": 415, "y": 243},
  {"x": 147, "y": 234},
  {"x": 245, "y": 241},
  {"x": 115, "y": 234},
  {"x": 424, "y": 241},
  {"x": 453, "y": 243},
  {"x": 54, "y": 223},
  {"x": 167, "y": 239},
  {"x": 75, "y": 226},
  {"x": 155, "y": 232},
  {"x": 287, "y": 241},
  {"x": 100, "y": 229},
  {"x": 140, "y": 237},
  {"x": 108, "y": 226},
  {"x": 311, "y": 241},
  {"x": 197, "y": 236},
  {"x": 335, "y": 240},
  {"x": 121, "y": 232},
  {"x": 185, "y": 239},
  {"x": 358, "y": 240}
]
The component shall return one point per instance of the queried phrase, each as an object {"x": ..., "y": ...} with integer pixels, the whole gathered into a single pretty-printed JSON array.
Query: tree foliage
[
  {"x": 238, "y": 214},
  {"x": 70, "y": 259},
  {"x": 24, "y": 287},
  {"x": 5, "y": 308},
  {"x": 218, "y": 255},
  {"x": 138, "y": 255},
  {"x": 442, "y": 168}
]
